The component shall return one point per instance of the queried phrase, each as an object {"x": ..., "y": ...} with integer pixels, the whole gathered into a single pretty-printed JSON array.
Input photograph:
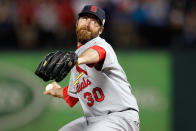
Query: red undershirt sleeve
[
  {"x": 71, "y": 101},
  {"x": 102, "y": 53}
]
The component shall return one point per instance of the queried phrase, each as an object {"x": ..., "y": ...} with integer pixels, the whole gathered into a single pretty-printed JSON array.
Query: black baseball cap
[{"x": 94, "y": 10}]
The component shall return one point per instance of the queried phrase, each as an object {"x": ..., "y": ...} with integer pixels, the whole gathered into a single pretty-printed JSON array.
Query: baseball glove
[{"x": 56, "y": 65}]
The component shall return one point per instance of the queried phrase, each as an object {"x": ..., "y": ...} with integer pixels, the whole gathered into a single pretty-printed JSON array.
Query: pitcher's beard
[{"x": 83, "y": 35}]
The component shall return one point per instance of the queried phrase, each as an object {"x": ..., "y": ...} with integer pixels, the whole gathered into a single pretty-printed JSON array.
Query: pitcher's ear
[{"x": 101, "y": 30}]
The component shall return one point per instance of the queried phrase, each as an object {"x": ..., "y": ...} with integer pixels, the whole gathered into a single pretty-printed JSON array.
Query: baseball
[{"x": 48, "y": 87}]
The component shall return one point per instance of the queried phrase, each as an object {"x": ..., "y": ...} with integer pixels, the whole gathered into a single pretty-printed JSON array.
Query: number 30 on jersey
[{"x": 97, "y": 94}]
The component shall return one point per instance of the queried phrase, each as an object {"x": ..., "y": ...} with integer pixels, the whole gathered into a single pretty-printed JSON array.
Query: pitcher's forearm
[{"x": 90, "y": 56}]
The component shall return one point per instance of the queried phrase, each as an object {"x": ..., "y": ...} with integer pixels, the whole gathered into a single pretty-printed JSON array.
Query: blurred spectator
[
  {"x": 79, "y": 4},
  {"x": 126, "y": 33},
  {"x": 7, "y": 34},
  {"x": 154, "y": 12},
  {"x": 176, "y": 21},
  {"x": 26, "y": 24},
  {"x": 66, "y": 14},
  {"x": 47, "y": 20},
  {"x": 183, "y": 24},
  {"x": 190, "y": 28},
  {"x": 151, "y": 20},
  {"x": 66, "y": 23},
  {"x": 46, "y": 15}
]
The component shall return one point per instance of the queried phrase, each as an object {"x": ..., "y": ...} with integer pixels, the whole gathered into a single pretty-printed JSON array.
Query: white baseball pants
[{"x": 117, "y": 121}]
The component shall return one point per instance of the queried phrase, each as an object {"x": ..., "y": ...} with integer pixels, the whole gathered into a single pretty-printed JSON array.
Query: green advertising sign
[{"x": 23, "y": 106}]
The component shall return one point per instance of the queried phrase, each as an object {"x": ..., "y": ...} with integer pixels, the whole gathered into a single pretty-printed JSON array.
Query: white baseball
[{"x": 48, "y": 87}]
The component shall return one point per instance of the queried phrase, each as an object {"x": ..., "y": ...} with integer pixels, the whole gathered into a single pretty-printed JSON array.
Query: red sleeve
[
  {"x": 102, "y": 53},
  {"x": 71, "y": 101}
]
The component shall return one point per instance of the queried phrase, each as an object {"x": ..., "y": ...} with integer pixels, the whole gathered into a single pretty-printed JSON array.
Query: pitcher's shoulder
[{"x": 102, "y": 42}]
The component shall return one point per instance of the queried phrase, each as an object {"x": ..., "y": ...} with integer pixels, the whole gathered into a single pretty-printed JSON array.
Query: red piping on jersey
[
  {"x": 80, "y": 70},
  {"x": 102, "y": 53},
  {"x": 71, "y": 101},
  {"x": 79, "y": 46}
]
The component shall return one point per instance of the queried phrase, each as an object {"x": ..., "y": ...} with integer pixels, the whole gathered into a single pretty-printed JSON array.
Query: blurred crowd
[{"x": 45, "y": 24}]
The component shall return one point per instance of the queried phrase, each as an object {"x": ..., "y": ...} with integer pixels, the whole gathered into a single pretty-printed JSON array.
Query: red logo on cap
[{"x": 93, "y": 8}]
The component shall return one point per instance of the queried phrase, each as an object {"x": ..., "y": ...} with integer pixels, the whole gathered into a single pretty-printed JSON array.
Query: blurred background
[{"x": 155, "y": 41}]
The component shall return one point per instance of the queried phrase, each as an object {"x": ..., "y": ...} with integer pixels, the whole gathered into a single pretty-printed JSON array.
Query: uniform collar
[
  {"x": 94, "y": 39},
  {"x": 79, "y": 46}
]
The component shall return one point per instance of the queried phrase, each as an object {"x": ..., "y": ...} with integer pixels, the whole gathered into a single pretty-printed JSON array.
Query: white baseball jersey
[{"x": 103, "y": 88}]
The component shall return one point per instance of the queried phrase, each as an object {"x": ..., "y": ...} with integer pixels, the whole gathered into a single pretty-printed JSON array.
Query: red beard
[{"x": 84, "y": 34}]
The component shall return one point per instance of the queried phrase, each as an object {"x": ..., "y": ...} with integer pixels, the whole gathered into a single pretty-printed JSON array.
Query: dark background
[{"x": 130, "y": 24}]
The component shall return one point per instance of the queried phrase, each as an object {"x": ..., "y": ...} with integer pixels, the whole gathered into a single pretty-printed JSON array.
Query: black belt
[
  {"x": 124, "y": 110},
  {"x": 128, "y": 109}
]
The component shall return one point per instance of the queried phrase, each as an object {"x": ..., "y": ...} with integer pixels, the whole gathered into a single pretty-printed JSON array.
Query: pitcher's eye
[{"x": 94, "y": 22}]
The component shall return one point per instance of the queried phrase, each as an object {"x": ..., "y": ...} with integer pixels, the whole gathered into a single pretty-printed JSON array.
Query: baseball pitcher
[{"x": 97, "y": 80}]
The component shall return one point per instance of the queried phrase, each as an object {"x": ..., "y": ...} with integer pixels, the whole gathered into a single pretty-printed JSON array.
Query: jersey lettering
[
  {"x": 82, "y": 85},
  {"x": 98, "y": 95},
  {"x": 89, "y": 98}
]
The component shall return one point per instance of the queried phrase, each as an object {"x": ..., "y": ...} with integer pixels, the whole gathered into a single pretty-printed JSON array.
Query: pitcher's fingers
[
  {"x": 56, "y": 85},
  {"x": 47, "y": 93}
]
